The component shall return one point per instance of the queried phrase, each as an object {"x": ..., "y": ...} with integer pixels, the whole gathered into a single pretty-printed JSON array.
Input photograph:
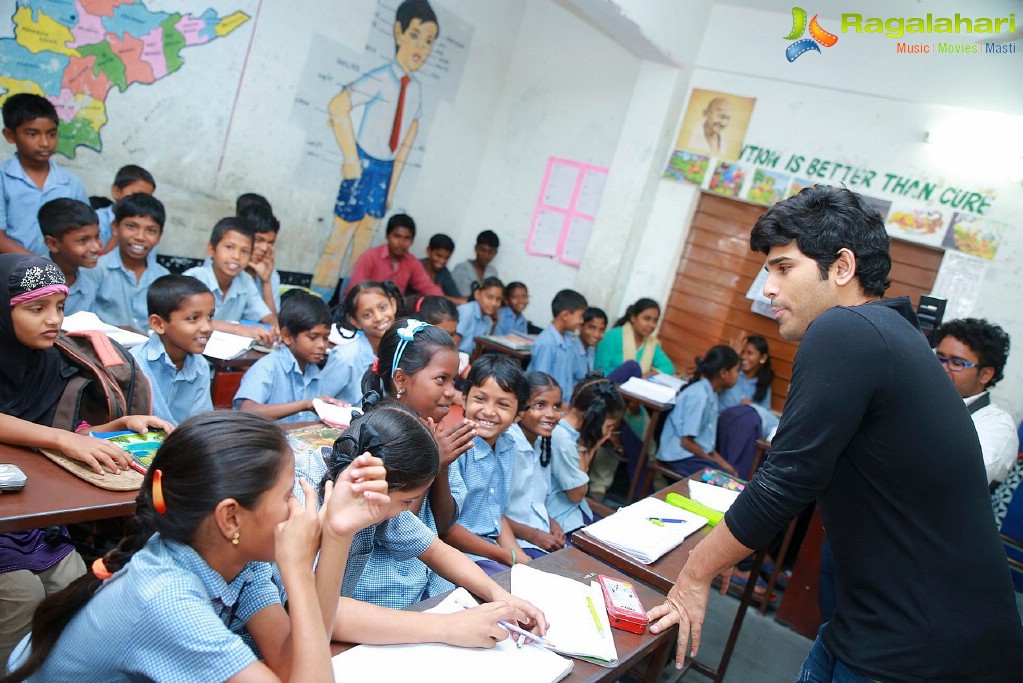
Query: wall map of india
[{"x": 74, "y": 52}]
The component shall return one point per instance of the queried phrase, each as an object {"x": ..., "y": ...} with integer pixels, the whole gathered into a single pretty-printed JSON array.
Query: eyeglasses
[{"x": 954, "y": 364}]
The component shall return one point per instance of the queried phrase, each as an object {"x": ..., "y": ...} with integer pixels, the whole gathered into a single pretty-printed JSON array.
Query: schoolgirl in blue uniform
[
  {"x": 367, "y": 311},
  {"x": 173, "y": 600}
]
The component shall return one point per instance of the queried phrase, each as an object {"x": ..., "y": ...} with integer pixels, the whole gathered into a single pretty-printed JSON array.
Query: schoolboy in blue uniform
[
  {"x": 235, "y": 291},
  {"x": 123, "y": 276},
  {"x": 257, "y": 212},
  {"x": 29, "y": 179},
  {"x": 180, "y": 315},
  {"x": 72, "y": 238},
  {"x": 282, "y": 385},
  {"x": 128, "y": 180},
  {"x": 557, "y": 350}
]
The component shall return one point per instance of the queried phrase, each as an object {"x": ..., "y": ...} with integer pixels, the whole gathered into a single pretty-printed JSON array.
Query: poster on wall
[
  {"x": 367, "y": 110},
  {"x": 715, "y": 124},
  {"x": 563, "y": 218}
]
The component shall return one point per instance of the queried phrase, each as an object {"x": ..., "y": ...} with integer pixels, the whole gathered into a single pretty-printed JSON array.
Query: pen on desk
[
  {"x": 661, "y": 521},
  {"x": 593, "y": 612}
]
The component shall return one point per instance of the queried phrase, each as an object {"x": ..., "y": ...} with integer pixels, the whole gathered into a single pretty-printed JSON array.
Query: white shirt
[
  {"x": 377, "y": 93},
  {"x": 998, "y": 439}
]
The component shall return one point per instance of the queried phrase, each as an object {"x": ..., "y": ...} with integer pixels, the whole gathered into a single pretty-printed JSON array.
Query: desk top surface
[
  {"x": 55, "y": 496},
  {"x": 660, "y": 574},
  {"x": 575, "y": 564}
]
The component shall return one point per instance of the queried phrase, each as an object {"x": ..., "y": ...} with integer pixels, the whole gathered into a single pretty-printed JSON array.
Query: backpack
[{"x": 107, "y": 382}]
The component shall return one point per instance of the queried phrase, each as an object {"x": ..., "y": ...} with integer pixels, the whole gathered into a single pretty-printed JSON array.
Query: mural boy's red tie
[{"x": 396, "y": 128}]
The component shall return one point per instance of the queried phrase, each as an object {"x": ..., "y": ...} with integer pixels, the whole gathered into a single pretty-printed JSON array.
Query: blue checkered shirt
[
  {"x": 487, "y": 474},
  {"x": 167, "y": 616}
]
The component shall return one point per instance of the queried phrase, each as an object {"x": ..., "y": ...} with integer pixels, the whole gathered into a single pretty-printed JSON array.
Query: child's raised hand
[
  {"x": 358, "y": 499},
  {"x": 452, "y": 441},
  {"x": 264, "y": 269},
  {"x": 297, "y": 538}
]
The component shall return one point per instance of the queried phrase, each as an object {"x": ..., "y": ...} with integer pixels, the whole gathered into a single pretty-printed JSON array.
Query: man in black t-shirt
[{"x": 875, "y": 433}]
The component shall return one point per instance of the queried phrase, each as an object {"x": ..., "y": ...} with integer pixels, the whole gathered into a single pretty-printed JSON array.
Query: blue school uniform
[
  {"x": 487, "y": 475},
  {"x": 106, "y": 223},
  {"x": 695, "y": 414},
  {"x": 565, "y": 476},
  {"x": 177, "y": 394},
  {"x": 81, "y": 296},
  {"x": 347, "y": 364},
  {"x": 508, "y": 321},
  {"x": 120, "y": 299},
  {"x": 21, "y": 199},
  {"x": 745, "y": 388},
  {"x": 560, "y": 355},
  {"x": 243, "y": 299},
  {"x": 167, "y": 616},
  {"x": 472, "y": 323},
  {"x": 527, "y": 502},
  {"x": 277, "y": 378}
]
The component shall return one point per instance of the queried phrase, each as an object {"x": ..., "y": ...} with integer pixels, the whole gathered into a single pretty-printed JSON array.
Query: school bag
[{"x": 107, "y": 382}]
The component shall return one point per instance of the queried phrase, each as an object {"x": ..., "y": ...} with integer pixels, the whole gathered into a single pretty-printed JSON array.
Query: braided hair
[
  {"x": 597, "y": 398},
  {"x": 540, "y": 382},
  {"x": 717, "y": 358},
  {"x": 347, "y": 310}
]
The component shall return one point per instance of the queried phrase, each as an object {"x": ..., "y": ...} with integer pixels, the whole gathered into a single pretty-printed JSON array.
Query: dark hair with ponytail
[
  {"x": 597, "y": 398},
  {"x": 210, "y": 457},
  {"x": 414, "y": 356},
  {"x": 504, "y": 370},
  {"x": 717, "y": 358},
  {"x": 396, "y": 435},
  {"x": 765, "y": 375},
  {"x": 637, "y": 308},
  {"x": 486, "y": 284},
  {"x": 540, "y": 382},
  {"x": 435, "y": 310},
  {"x": 346, "y": 311}
]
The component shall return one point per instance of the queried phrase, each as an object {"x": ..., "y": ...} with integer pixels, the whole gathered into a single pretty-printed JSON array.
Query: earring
[
  {"x": 234, "y": 541},
  {"x": 400, "y": 392}
]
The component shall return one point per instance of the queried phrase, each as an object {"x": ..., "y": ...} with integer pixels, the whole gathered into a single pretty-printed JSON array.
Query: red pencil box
[{"x": 624, "y": 610}]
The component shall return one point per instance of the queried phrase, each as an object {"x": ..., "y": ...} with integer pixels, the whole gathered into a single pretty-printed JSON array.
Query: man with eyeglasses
[{"x": 973, "y": 353}]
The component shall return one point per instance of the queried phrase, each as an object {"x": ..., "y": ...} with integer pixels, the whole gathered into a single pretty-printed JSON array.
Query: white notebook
[
  {"x": 85, "y": 321},
  {"x": 505, "y": 663},
  {"x": 225, "y": 345},
  {"x": 650, "y": 390},
  {"x": 631, "y": 531},
  {"x": 334, "y": 415},
  {"x": 575, "y": 611}
]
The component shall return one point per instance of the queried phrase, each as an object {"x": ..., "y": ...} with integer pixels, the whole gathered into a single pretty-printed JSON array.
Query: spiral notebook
[{"x": 505, "y": 663}]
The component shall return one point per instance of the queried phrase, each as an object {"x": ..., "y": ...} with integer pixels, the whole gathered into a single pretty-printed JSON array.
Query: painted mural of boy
[{"x": 375, "y": 120}]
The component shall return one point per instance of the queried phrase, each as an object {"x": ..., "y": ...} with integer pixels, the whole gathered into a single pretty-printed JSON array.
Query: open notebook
[
  {"x": 575, "y": 611},
  {"x": 631, "y": 531},
  {"x": 505, "y": 663}
]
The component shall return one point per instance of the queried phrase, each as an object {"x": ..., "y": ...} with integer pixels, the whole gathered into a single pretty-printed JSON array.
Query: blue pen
[{"x": 665, "y": 520}]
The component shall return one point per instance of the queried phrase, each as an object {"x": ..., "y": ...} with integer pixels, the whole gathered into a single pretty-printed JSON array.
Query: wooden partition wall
[{"x": 708, "y": 303}]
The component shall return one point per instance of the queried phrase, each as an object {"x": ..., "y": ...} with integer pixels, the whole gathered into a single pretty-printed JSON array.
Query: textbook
[
  {"x": 85, "y": 321},
  {"x": 335, "y": 415},
  {"x": 576, "y": 614},
  {"x": 647, "y": 529},
  {"x": 513, "y": 341},
  {"x": 225, "y": 346},
  {"x": 652, "y": 391},
  {"x": 505, "y": 663},
  {"x": 141, "y": 447}
]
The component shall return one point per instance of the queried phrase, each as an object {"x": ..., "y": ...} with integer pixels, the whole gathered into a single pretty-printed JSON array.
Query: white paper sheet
[
  {"x": 225, "y": 346},
  {"x": 85, "y": 321}
]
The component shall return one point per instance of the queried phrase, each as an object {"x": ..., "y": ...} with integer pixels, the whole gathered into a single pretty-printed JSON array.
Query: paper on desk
[
  {"x": 572, "y": 630},
  {"x": 337, "y": 416},
  {"x": 671, "y": 381},
  {"x": 631, "y": 531},
  {"x": 225, "y": 345},
  {"x": 715, "y": 497},
  {"x": 85, "y": 321},
  {"x": 649, "y": 390},
  {"x": 505, "y": 663}
]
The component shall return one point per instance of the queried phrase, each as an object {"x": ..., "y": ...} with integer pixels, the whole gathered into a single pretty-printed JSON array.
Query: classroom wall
[{"x": 842, "y": 108}]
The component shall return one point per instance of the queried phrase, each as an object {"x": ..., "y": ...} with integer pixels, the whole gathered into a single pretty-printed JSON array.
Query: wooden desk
[
  {"x": 227, "y": 376},
  {"x": 55, "y": 496},
  {"x": 484, "y": 344},
  {"x": 640, "y": 475},
  {"x": 632, "y": 648},
  {"x": 663, "y": 573}
]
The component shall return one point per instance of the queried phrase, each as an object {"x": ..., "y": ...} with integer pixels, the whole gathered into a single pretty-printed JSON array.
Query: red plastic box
[{"x": 624, "y": 610}]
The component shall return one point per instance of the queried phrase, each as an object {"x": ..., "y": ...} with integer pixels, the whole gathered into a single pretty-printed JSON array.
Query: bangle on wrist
[{"x": 513, "y": 556}]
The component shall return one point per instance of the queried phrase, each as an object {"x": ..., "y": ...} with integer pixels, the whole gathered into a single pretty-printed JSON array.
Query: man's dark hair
[
  {"x": 441, "y": 241},
  {"x": 140, "y": 204},
  {"x": 57, "y": 216},
  {"x": 126, "y": 175},
  {"x": 567, "y": 300},
  {"x": 821, "y": 220},
  {"x": 989, "y": 341},
  {"x": 167, "y": 293},
  {"x": 488, "y": 238},
  {"x": 400, "y": 220},
  {"x": 24, "y": 107}
]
